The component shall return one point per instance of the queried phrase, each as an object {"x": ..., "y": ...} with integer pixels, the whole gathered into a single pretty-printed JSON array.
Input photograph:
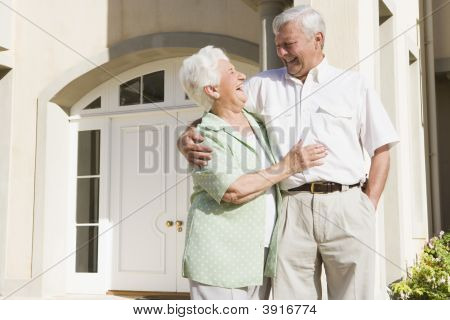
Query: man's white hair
[
  {"x": 308, "y": 19},
  {"x": 201, "y": 70}
]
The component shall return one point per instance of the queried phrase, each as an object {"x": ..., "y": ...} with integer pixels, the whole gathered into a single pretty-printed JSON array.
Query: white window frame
[
  {"x": 140, "y": 71},
  {"x": 80, "y": 282},
  {"x": 102, "y": 92}
]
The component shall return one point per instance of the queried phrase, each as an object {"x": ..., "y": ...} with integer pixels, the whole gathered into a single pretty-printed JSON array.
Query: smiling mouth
[{"x": 292, "y": 61}]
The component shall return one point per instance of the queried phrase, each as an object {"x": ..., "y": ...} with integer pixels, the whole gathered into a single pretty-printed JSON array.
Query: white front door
[
  {"x": 143, "y": 203},
  {"x": 150, "y": 192}
]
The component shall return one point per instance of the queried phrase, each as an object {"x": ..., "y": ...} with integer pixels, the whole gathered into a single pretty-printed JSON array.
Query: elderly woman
[{"x": 234, "y": 204}]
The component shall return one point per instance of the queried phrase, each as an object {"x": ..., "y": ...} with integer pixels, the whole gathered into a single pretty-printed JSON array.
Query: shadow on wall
[
  {"x": 129, "y": 19},
  {"x": 3, "y": 73},
  {"x": 443, "y": 119}
]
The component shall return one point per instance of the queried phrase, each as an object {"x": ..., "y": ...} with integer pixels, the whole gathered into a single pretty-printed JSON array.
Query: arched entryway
[{"x": 127, "y": 192}]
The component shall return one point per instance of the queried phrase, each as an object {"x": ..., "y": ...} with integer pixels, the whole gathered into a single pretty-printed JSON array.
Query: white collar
[{"x": 318, "y": 73}]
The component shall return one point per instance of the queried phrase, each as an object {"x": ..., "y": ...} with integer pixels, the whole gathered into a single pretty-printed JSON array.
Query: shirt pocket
[
  {"x": 332, "y": 125},
  {"x": 335, "y": 111}
]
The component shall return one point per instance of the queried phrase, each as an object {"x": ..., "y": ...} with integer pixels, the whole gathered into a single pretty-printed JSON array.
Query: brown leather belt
[{"x": 322, "y": 187}]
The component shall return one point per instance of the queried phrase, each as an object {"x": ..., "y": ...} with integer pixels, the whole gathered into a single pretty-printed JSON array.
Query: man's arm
[
  {"x": 378, "y": 174},
  {"x": 189, "y": 145}
]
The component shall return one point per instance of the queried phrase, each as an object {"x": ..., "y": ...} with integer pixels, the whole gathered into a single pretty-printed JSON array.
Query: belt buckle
[{"x": 312, "y": 189}]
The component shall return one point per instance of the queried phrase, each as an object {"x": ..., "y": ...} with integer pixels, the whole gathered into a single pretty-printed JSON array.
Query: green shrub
[{"x": 429, "y": 278}]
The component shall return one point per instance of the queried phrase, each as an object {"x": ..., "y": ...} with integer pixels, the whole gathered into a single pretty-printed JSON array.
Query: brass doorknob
[
  {"x": 179, "y": 223},
  {"x": 169, "y": 223}
]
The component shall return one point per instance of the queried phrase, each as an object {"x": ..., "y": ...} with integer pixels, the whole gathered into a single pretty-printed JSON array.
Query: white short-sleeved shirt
[{"x": 333, "y": 107}]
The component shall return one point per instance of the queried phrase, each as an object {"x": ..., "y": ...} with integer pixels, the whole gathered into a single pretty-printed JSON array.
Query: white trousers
[{"x": 201, "y": 291}]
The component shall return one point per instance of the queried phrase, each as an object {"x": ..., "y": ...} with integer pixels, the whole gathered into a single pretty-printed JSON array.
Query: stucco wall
[
  {"x": 342, "y": 39},
  {"x": 342, "y": 29},
  {"x": 128, "y": 19},
  {"x": 6, "y": 18},
  {"x": 5, "y": 126},
  {"x": 39, "y": 58}
]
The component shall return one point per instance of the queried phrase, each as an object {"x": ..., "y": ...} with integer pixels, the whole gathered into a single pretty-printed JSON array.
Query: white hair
[
  {"x": 201, "y": 70},
  {"x": 309, "y": 20}
]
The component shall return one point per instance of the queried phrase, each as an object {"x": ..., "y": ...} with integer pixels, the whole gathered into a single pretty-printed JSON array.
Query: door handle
[
  {"x": 169, "y": 223},
  {"x": 179, "y": 224}
]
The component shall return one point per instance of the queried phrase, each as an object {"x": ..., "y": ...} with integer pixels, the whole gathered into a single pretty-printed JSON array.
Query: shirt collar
[
  {"x": 212, "y": 122},
  {"x": 318, "y": 73}
]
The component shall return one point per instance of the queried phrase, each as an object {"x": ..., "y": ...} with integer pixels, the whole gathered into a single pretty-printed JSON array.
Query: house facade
[{"x": 91, "y": 107}]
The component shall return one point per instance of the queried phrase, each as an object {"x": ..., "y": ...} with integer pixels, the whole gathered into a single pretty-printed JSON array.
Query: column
[{"x": 268, "y": 10}]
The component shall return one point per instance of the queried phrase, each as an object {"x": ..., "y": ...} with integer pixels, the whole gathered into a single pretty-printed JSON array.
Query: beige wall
[
  {"x": 342, "y": 38},
  {"x": 6, "y": 18},
  {"x": 406, "y": 228},
  {"x": 127, "y": 19},
  {"x": 342, "y": 31},
  {"x": 33, "y": 72},
  {"x": 388, "y": 94},
  {"x": 5, "y": 134}
]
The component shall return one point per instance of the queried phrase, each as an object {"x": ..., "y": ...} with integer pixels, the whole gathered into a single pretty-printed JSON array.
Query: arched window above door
[
  {"x": 96, "y": 104},
  {"x": 148, "y": 88}
]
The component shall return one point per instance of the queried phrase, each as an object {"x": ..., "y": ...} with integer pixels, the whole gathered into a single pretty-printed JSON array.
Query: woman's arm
[{"x": 249, "y": 186}]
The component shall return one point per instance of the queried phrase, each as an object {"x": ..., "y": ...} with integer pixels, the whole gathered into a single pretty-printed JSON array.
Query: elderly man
[{"x": 327, "y": 218}]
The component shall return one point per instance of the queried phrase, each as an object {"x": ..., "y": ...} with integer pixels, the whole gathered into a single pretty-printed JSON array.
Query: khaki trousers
[{"x": 335, "y": 229}]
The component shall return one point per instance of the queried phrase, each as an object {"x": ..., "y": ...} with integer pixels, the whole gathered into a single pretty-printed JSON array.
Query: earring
[{"x": 216, "y": 95}]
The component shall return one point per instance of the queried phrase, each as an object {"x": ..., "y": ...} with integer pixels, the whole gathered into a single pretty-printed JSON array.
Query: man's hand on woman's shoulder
[{"x": 189, "y": 145}]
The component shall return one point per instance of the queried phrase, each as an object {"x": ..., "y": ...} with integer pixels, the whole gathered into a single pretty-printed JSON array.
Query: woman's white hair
[
  {"x": 201, "y": 70},
  {"x": 308, "y": 19}
]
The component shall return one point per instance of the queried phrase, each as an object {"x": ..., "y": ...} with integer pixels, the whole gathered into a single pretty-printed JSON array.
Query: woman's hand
[{"x": 300, "y": 158}]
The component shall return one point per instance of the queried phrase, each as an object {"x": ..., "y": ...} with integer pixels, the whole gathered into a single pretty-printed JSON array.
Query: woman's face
[{"x": 231, "y": 84}]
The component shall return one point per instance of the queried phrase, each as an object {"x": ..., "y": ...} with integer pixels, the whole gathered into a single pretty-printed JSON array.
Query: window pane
[
  {"x": 88, "y": 153},
  {"x": 87, "y": 200},
  {"x": 130, "y": 92},
  {"x": 87, "y": 249},
  {"x": 96, "y": 104},
  {"x": 154, "y": 87}
]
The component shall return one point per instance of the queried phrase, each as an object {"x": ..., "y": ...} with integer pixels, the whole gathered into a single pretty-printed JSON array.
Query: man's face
[{"x": 298, "y": 52}]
